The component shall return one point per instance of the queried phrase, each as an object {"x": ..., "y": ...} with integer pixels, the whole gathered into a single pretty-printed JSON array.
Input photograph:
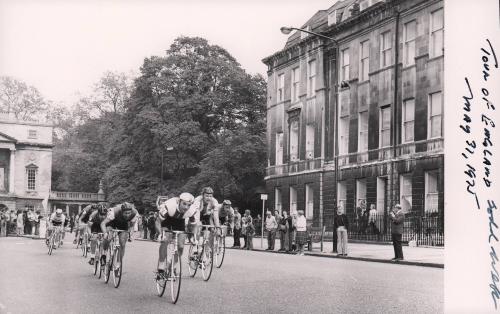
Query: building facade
[{"x": 357, "y": 120}]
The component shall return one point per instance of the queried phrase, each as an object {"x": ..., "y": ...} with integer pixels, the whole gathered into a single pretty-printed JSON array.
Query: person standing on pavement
[
  {"x": 397, "y": 217},
  {"x": 3, "y": 223},
  {"x": 250, "y": 231},
  {"x": 282, "y": 227},
  {"x": 289, "y": 231},
  {"x": 301, "y": 237},
  {"x": 271, "y": 227},
  {"x": 341, "y": 224},
  {"x": 244, "y": 225},
  {"x": 237, "y": 228},
  {"x": 19, "y": 223},
  {"x": 373, "y": 220}
]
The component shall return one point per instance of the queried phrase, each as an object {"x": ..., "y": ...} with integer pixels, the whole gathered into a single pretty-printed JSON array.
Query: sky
[{"x": 62, "y": 47}]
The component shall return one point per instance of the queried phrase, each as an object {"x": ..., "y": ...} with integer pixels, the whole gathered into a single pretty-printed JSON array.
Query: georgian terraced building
[{"x": 360, "y": 117}]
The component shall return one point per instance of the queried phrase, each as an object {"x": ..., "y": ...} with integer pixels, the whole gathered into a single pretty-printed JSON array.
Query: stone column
[
  {"x": 79, "y": 208},
  {"x": 67, "y": 210},
  {"x": 12, "y": 170}
]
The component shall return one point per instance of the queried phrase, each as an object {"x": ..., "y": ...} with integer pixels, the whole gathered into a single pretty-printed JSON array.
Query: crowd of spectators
[{"x": 20, "y": 222}]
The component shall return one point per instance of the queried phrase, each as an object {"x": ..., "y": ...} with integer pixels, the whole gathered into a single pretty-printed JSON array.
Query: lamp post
[
  {"x": 169, "y": 148},
  {"x": 287, "y": 30}
]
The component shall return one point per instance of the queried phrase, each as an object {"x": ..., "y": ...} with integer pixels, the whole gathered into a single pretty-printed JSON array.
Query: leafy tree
[{"x": 25, "y": 102}]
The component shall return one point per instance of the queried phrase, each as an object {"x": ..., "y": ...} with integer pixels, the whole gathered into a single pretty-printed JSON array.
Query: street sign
[{"x": 263, "y": 197}]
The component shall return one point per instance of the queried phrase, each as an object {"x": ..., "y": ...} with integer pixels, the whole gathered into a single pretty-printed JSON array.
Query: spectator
[
  {"x": 397, "y": 217},
  {"x": 258, "y": 225},
  {"x": 294, "y": 232},
  {"x": 282, "y": 230},
  {"x": 145, "y": 226},
  {"x": 290, "y": 229},
  {"x": 301, "y": 236},
  {"x": 19, "y": 223},
  {"x": 373, "y": 220},
  {"x": 244, "y": 225},
  {"x": 250, "y": 231},
  {"x": 151, "y": 226},
  {"x": 37, "y": 222},
  {"x": 27, "y": 224},
  {"x": 237, "y": 228},
  {"x": 341, "y": 224},
  {"x": 3, "y": 223},
  {"x": 32, "y": 217},
  {"x": 271, "y": 227}
]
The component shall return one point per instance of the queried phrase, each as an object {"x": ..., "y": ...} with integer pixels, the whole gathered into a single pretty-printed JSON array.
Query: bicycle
[
  {"x": 85, "y": 243},
  {"x": 55, "y": 236},
  {"x": 174, "y": 271},
  {"x": 220, "y": 246},
  {"x": 204, "y": 255},
  {"x": 98, "y": 253},
  {"x": 113, "y": 259}
]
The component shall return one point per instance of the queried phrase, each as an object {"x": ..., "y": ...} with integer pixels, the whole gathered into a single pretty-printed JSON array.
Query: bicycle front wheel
[
  {"x": 175, "y": 278},
  {"x": 97, "y": 257},
  {"x": 192, "y": 260},
  {"x": 51, "y": 244},
  {"x": 207, "y": 262},
  {"x": 107, "y": 266},
  {"x": 117, "y": 267},
  {"x": 220, "y": 251}
]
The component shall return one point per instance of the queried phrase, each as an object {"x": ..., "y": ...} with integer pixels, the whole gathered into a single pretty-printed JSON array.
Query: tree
[{"x": 25, "y": 102}]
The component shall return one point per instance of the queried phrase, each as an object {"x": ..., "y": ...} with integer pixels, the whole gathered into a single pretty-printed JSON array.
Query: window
[
  {"x": 364, "y": 64},
  {"x": 277, "y": 199},
  {"x": 32, "y": 134},
  {"x": 344, "y": 135},
  {"x": 431, "y": 191},
  {"x": 309, "y": 201},
  {"x": 311, "y": 80},
  {"x": 342, "y": 194},
  {"x": 435, "y": 105},
  {"x": 437, "y": 25},
  {"x": 385, "y": 49},
  {"x": 294, "y": 140},
  {"x": 309, "y": 141},
  {"x": 279, "y": 148},
  {"x": 409, "y": 46},
  {"x": 293, "y": 200},
  {"x": 408, "y": 120},
  {"x": 332, "y": 18},
  {"x": 363, "y": 131},
  {"x": 381, "y": 187},
  {"x": 385, "y": 127},
  {"x": 345, "y": 65},
  {"x": 31, "y": 173},
  {"x": 295, "y": 84},
  {"x": 281, "y": 88},
  {"x": 405, "y": 192}
]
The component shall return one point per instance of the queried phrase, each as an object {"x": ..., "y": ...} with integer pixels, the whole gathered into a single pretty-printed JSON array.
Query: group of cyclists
[{"x": 184, "y": 214}]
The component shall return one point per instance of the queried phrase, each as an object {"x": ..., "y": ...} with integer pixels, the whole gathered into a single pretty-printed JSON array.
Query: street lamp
[
  {"x": 169, "y": 148},
  {"x": 287, "y": 30}
]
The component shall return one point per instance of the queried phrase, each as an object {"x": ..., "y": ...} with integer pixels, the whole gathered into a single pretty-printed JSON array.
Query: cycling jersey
[
  {"x": 87, "y": 211},
  {"x": 204, "y": 211},
  {"x": 96, "y": 219},
  {"x": 57, "y": 221},
  {"x": 225, "y": 214},
  {"x": 117, "y": 220},
  {"x": 171, "y": 217}
]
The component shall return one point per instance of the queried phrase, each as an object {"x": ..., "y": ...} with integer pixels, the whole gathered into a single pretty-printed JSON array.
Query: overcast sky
[{"x": 62, "y": 47}]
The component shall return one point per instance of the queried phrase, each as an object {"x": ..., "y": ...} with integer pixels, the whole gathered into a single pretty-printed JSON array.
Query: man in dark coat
[{"x": 397, "y": 218}]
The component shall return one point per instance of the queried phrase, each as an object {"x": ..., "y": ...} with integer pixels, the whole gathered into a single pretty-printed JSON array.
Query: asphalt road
[{"x": 249, "y": 282}]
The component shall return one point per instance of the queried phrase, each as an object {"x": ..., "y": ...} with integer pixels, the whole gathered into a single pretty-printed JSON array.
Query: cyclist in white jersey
[{"x": 56, "y": 219}]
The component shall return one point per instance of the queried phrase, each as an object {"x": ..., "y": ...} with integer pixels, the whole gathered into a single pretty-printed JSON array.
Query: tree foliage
[{"x": 25, "y": 102}]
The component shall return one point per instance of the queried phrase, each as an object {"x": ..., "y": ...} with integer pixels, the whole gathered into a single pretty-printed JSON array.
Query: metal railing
[
  {"x": 295, "y": 166},
  {"x": 76, "y": 196}
]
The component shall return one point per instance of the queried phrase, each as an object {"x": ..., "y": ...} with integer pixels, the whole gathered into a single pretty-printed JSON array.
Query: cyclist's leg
[
  {"x": 162, "y": 253},
  {"x": 105, "y": 243},
  {"x": 123, "y": 237},
  {"x": 180, "y": 245},
  {"x": 93, "y": 245}
]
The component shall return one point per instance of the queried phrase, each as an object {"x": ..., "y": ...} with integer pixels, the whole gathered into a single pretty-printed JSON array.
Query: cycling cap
[
  {"x": 127, "y": 206},
  {"x": 186, "y": 197},
  {"x": 58, "y": 211},
  {"x": 207, "y": 190},
  {"x": 226, "y": 202}
]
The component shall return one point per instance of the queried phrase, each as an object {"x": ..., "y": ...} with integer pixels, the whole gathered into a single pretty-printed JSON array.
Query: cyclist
[
  {"x": 206, "y": 210},
  {"x": 226, "y": 215},
  {"x": 82, "y": 222},
  {"x": 122, "y": 217},
  {"x": 173, "y": 215},
  {"x": 94, "y": 223},
  {"x": 57, "y": 219}
]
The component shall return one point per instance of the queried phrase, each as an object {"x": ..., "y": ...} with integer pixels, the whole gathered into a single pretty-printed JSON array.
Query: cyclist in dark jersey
[
  {"x": 94, "y": 223},
  {"x": 121, "y": 217},
  {"x": 173, "y": 215},
  {"x": 226, "y": 215},
  {"x": 207, "y": 211},
  {"x": 82, "y": 222}
]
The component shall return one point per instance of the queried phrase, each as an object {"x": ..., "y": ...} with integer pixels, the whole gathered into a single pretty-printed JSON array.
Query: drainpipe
[{"x": 336, "y": 140}]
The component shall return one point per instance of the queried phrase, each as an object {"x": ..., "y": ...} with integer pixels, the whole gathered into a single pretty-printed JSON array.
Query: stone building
[{"x": 358, "y": 118}]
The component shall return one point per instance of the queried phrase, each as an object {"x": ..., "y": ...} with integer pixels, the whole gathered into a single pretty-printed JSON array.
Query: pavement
[{"x": 369, "y": 252}]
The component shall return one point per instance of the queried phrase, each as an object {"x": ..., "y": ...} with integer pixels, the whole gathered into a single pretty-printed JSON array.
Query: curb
[{"x": 363, "y": 259}]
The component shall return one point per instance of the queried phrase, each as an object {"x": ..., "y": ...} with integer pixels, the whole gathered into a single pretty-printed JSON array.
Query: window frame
[
  {"x": 280, "y": 90},
  {"x": 344, "y": 73},
  {"x": 407, "y": 61},
  {"x": 31, "y": 183},
  {"x": 404, "y": 121},
  {"x": 432, "y": 49},
  {"x": 430, "y": 116},
  {"x": 294, "y": 131},
  {"x": 381, "y": 130},
  {"x": 311, "y": 78},
  {"x": 279, "y": 149},
  {"x": 385, "y": 51},
  {"x": 295, "y": 84},
  {"x": 309, "y": 201},
  {"x": 363, "y": 133},
  {"x": 364, "y": 69},
  {"x": 427, "y": 208}
]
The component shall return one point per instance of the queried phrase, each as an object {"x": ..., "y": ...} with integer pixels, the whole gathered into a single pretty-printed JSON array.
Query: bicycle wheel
[
  {"x": 51, "y": 244},
  {"x": 96, "y": 260},
  {"x": 161, "y": 284},
  {"x": 192, "y": 260},
  {"x": 175, "y": 278},
  {"x": 107, "y": 266},
  {"x": 207, "y": 262},
  {"x": 220, "y": 251},
  {"x": 117, "y": 267}
]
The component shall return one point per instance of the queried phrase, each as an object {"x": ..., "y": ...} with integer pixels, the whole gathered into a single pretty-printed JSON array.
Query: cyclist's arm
[
  {"x": 91, "y": 218},
  {"x": 84, "y": 213},
  {"x": 216, "y": 218}
]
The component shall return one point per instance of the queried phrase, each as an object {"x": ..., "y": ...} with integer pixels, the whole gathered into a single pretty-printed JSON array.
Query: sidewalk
[
  {"x": 369, "y": 252},
  {"x": 382, "y": 253}
]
